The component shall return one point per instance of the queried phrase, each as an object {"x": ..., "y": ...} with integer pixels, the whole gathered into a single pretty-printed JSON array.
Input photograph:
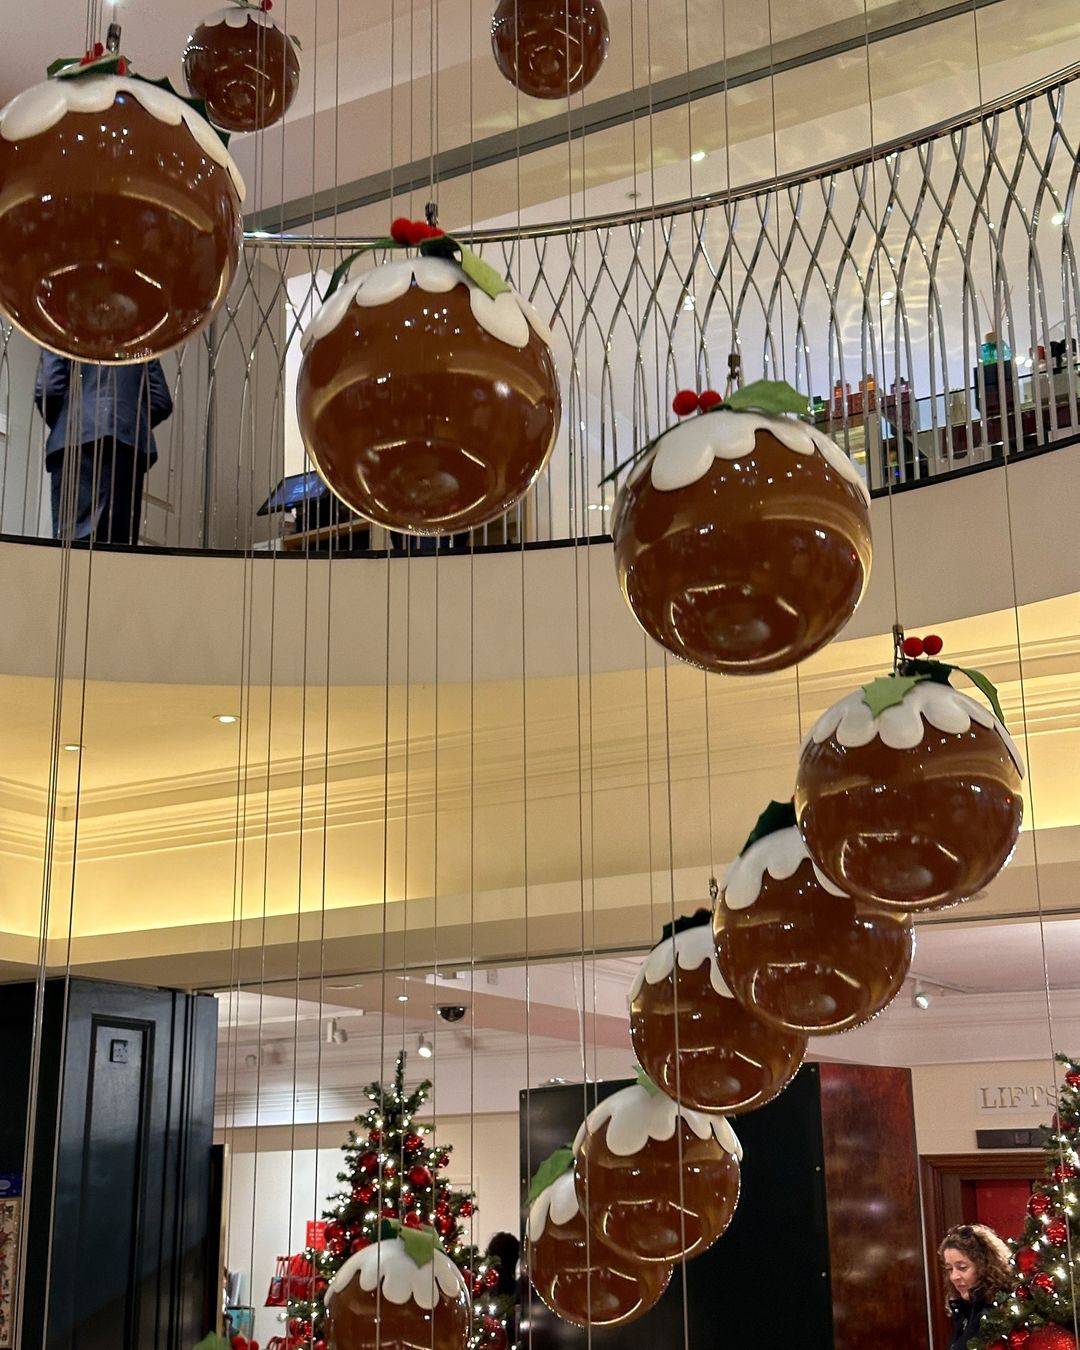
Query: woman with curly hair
[{"x": 975, "y": 1263}]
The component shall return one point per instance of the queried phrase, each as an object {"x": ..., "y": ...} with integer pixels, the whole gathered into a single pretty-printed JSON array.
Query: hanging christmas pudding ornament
[
  {"x": 909, "y": 793},
  {"x": 120, "y": 222},
  {"x": 656, "y": 1181},
  {"x": 428, "y": 396},
  {"x": 400, "y": 1293},
  {"x": 243, "y": 67},
  {"x": 550, "y": 48},
  {"x": 693, "y": 1039},
  {"x": 795, "y": 950},
  {"x": 581, "y": 1279},
  {"x": 742, "y": 537}
]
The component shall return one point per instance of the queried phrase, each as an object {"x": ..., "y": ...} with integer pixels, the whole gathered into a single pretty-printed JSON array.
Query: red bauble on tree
[
  {"x": 1044, "y": 1282},
  {"x": 1057, "y": 1231},
  {"x": 412, "y": 1220},
  {"x": 357, "y": 1245},
  {"x": 413, "y": 1142},
  {"x": 1063, "y": 1172},
  {"x": 466, "y": 1207},
  {"x": 420, "y": 1176},
  {"x": 1038, "y": 1204},
  {"x": 1018, "y": 1338},
  {"x": 368, "y": 1162},
  {"x": 495, "y": 1336},
  {"x": 1072, "y": 1078},
  {"x": 1051, "y": 1338},
  {"x": 363, "y": 1195},
  {"x": 375, "y": 1137},
  {"x": 1026, "y": 1260},
  {"x": 444, "y": 1225}
]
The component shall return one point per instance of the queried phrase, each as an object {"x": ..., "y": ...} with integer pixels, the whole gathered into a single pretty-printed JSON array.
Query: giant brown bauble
[
  {"x": 120, "y": 224},
  {"x": 742, "y": 542},
  {"x": 656, "y": 1181},
  {"x": 426, "y": 405},
  {"x": 796, "y": 951},
  {"x": 243, "y": 67},
  {"x": 579, "y": 1277},
  {"x": 918, "y": 807},
  {"x": 381, "y": 1299},
  {"x": 697, "y": 1042},
  {"x": 549, "y": 48}
]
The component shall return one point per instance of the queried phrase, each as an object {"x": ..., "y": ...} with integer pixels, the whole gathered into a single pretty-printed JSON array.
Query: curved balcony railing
[{"x": 871, "y": 284}]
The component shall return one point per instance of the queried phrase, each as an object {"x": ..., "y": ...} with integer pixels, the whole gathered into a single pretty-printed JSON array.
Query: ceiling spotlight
[
  {"x": 688, "y": 302},
  {"x": 887, "y": 297},
  {"x": 920, "y": 998},
  {"x": 403, "y": 997},
  {"x": 1058, "y": 218},
  {"x": 335, "y": 1035},
  {"x": 73, "y": 745},
  {"x": 424, "y": 1048},
  {"x": 697, "y": 156},
  {"x": 226, "y": 719}
]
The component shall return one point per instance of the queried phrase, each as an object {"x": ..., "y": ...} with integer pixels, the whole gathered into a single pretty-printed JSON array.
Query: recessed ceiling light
[
  {"x": 226, "y": 719},
  {"x": 920, "y": 998},
  {"x": 73, "y": 745},
  {"x": 403, "y": 998},
  {"x": 697, "y": 156},
  {"x": 1058, "y": 218},
  {"x": 887, "y": 297}
]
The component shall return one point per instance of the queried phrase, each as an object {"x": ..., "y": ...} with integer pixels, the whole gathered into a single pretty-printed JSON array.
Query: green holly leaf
[
  {"x": 988, "y": 690},
  {"x": 645, "y": 1081},
  {"x": 888, "y": 691},
  {"x": 776, "y": 816},
  {"x": 61, "y": 63},
  {"x": 442, "y": 246},
  {"x": 551, "y": 1169},
  {"x": 482, "y": 273},
  {"x": 768, "y": 396},
  {"x": 420, "y": 1244},
  {"x": 68, "y": 68},
  {"x": 341, "y": 271}
]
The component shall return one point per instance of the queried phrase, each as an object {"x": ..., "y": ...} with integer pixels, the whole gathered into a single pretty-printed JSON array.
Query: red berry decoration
[
  {"x": 709, "y": 399},
  {"x": 742, "y": 541},
  {"x": 549, "y": 49},
  {"x": 796, "y": 952},
  {"x": 1057, "y": 1231},
  {"x": 909, "y": 794},
  {"x": 913, "y": 646},
  {"x": 639, "y": 1152},
  {"x": 728, "y": 1059},
  {"x": 423, "y": 416},
  {"x": 120, "y": 221},
  {"x": 684, "y": 403},
  {"x": 420, "y": 1176},
  {"x": 1026, "y": 1260},
  {"x": 932, "y": 644},
  {"x": 243, "y": 67},
  {"x": 1038, "y": 1204}
]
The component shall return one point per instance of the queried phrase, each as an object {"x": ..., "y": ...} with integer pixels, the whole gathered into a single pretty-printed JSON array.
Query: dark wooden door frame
[{"x": 941, "y": 1176}]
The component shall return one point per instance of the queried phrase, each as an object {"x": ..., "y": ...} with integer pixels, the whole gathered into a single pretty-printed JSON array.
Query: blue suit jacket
[{"x": 121, "y": 402}]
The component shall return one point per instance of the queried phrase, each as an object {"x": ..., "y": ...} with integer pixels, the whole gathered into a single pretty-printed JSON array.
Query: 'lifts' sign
[{"x": 1016, "y": 1097}]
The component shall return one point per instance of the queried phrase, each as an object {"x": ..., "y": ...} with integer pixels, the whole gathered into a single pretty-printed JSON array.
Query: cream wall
[
  {"x": 277, "y": 1179},
  {"x": 952, "y": 1101}
]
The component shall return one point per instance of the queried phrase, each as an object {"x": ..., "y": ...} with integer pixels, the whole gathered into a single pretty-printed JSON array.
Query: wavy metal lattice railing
[{"x": 869, "y": 284}]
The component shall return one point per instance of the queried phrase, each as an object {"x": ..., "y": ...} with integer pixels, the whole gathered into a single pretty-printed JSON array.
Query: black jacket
[{"x": 966, "y": 1319}]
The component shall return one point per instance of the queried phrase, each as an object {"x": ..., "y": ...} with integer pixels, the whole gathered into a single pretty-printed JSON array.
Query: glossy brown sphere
[
  {"x": 359, "y": 1319},
  {"x": 728, "y": 1059},
  {"x": 810, "y": 962},
  {"x": 550, "y": 48},
  {"x": 119, "y": 233},
  {"x": 421, "y": 420},
  {"x": 753, "y": 567},
  {"x": 247, "y": 75},
  {"x": 915, "y": 829},
  {"x": 659, "y": 1203},
  {"x": 586, "y": 1282}
]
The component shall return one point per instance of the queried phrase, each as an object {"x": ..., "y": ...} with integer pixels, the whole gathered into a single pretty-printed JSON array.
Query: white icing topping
[
  {"x": 40, "y": 107},
  {"x": 235, "y": 17},
  {"x": 508, "y": 317},
  {"x": 902, "y": 726},
  {"x": 402, "y": 1279},
  {"x": 558, "y": 1202},
  {"x": 781, "y": 854},
  {"x": 685, "y": 453},
  {"x": 634, "y": 1116},
  {"x": 691, "y": 948}
]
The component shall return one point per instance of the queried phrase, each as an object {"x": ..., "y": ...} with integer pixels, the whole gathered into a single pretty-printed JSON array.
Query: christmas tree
[
  {"x": 393, "y": 1171},
  {"x": 1040, "y": 1312}
]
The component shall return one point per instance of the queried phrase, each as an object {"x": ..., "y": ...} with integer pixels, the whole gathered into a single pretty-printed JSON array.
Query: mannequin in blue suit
[{"x": 106, "y": 417}]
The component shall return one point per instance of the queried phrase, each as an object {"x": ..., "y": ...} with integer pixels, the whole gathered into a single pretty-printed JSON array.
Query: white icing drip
[
  {"x": 685, "y": 453},
  {"x": 39, "y": 108},
  {"x": 507, "y": 317},
  {"x": 235, "y": 17},
  {"x": 388, "y": 1263},
  {"x": 558, "y": 1202},
  {"x": 902, "y": 726},
  {"x": 634, "y": 1116},
  {"x": 691, "y": 947},
  {"x": 781, "y": 854}
]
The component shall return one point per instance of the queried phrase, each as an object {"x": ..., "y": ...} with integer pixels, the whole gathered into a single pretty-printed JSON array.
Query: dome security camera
[{"x": 451, "y": 1012}]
